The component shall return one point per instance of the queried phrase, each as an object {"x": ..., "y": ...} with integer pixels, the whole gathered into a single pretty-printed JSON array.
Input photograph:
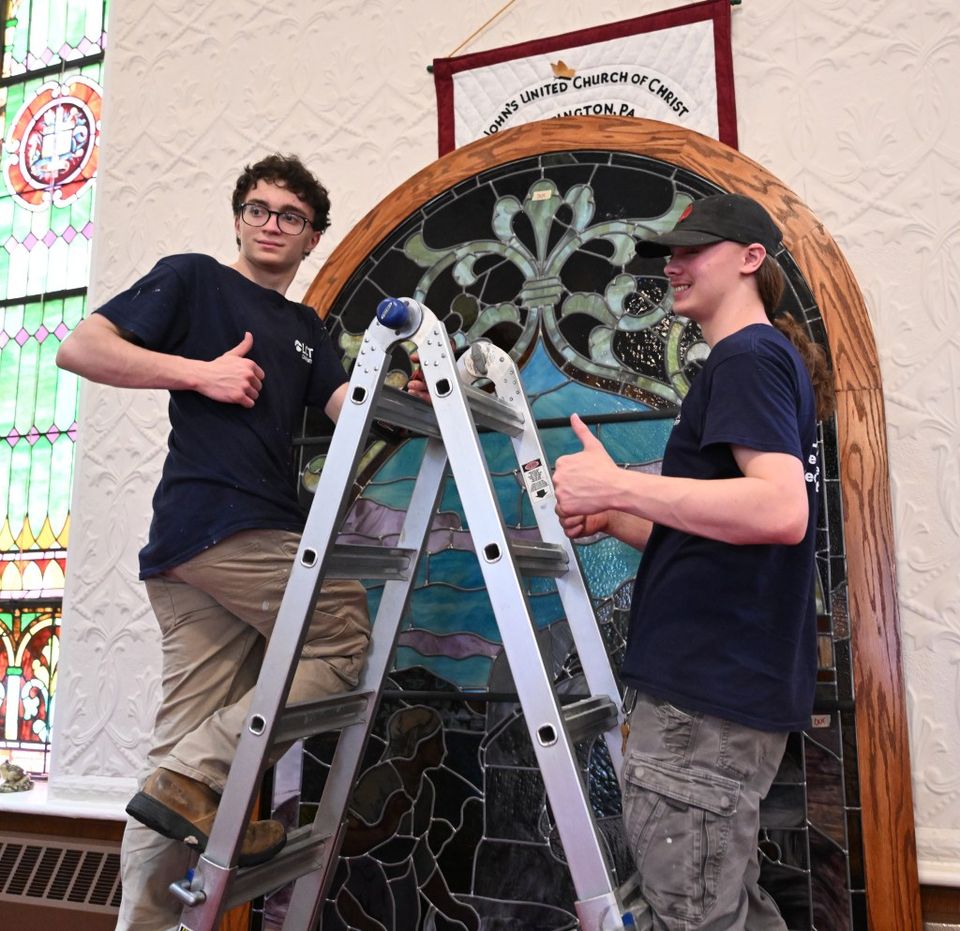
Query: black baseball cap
[{"x": 717, "y": 218}]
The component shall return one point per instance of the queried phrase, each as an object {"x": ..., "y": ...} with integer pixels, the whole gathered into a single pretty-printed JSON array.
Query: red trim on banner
[
  {"x": 443, "y": 79},
  {"x": 717, "y": 10},
  {"x": 723, "y": 60}
]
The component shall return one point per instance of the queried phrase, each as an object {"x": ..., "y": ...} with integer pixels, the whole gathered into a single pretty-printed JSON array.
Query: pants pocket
[{"x": 678, "y": 821}]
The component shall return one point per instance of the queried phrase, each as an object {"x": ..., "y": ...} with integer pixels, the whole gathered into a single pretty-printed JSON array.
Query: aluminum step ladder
[{"x": 450, "y": 424}]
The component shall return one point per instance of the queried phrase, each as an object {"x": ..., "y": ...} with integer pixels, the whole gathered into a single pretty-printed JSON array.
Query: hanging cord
[
  {"x": 477, "y": 32},
  {"x": 503, "y": 9}
]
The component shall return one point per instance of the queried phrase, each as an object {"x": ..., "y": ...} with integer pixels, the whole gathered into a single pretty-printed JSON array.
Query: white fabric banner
[{"x": 674, "y": 67}]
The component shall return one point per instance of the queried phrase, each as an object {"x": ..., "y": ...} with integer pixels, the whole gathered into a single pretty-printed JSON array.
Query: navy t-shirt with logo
[
  {"x": 229, "y": 467},
  {"x": 727, "y": 629}
]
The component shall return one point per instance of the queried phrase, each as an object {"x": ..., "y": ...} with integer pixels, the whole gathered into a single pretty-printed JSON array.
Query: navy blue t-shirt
[
  {"x": 730, "y": 630},
  {"x": 228, "y": 468}
]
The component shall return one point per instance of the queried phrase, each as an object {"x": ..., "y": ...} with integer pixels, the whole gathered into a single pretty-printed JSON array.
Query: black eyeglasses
[{"x": 288, "y": 222}]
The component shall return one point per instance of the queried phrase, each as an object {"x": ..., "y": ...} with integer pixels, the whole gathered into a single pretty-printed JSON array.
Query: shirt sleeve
[
  {"x": 754, "y": 403},
  {"x": 327, "y": 372},
  {"x": 151, "y": 310}
]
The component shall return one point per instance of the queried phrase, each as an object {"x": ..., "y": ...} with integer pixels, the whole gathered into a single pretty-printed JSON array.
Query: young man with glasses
[{"x": 240, "y": 361}]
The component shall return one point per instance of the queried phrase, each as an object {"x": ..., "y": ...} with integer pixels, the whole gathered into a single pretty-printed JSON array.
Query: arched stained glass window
[{"x": 50, "y": 102}]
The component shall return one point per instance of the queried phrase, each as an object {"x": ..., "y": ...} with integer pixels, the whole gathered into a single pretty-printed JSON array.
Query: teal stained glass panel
[{"x": 43, "y": 33}]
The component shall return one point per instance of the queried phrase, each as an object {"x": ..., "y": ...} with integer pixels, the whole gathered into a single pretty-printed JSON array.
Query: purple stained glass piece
[
  {"x": 33, "y": 435},
  {"x": 22, "y": 336},
  {"x": 4, "y": 339},
  {"x": 65, "y": 50},
  {"x": 49, "y": 238},
  {"x": 42, "y": 333},
  {"x": 30, "y": 241},
  {"x": 12, "y": 437},
  {"x": 69, "y": 234},
  {"x": 61, "y": 331},
  {"x": 47, "y": 56},
  {"x": 88, "y": 230}
]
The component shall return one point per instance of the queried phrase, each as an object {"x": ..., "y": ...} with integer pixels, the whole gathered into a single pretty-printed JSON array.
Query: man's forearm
[
  {"x": 630, "y": 529},
  {"x": 747, "y": 510},
  {"x": 96, "y": 350}
]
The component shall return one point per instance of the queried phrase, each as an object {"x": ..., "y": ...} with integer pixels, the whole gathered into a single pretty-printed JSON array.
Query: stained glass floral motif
[{"x": 453, "y": 828}]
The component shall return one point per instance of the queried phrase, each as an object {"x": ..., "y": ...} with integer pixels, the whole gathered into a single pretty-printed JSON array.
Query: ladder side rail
[
  {"x": 310, "y": 890},
  {"x": 554, "y": 750},
  {"x": 217, "y": 865},
  {"x": 571, "y": 586}
]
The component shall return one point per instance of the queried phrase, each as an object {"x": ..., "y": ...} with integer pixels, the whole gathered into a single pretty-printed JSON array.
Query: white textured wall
[{"x": 853, "y": 103}]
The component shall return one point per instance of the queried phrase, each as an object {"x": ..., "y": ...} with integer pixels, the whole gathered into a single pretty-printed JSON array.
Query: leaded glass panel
[
  {"x": 50, "y": 104},
  {"x": 51, "y": 129},
  {"x": 454, "y": 828},
  {"x": 39, "y": 34},
  {"x": 38, "y": 413},
  {"x": 29, "y": 651}
]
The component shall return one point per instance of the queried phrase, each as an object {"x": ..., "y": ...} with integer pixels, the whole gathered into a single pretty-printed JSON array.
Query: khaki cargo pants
[{"x": 215, "y": 613}]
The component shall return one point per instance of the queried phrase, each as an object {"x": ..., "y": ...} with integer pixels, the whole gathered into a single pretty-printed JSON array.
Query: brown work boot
[{"x": 183, "y": 809}]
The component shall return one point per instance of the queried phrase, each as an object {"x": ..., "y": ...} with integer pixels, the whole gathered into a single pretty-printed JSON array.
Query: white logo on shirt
[
  {"x": 813, "y": 475},
  {"x": 306, "y": 352}
]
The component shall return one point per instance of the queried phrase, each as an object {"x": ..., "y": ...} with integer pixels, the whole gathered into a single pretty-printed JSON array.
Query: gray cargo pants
[{"x": 692, "y": 786}]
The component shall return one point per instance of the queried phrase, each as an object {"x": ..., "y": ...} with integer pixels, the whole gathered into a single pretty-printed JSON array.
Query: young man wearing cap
[
  {"x": 240, "y": 361},
  {"x": 721, "y": 649}
]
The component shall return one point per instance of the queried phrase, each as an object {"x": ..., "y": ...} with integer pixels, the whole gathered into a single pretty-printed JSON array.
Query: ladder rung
[
  {"x": 490, "y": 413},
  {"x": 355, "y": 561},
  {"x": 330, "y": 713},
  {"x": 590, "y": 717},
  {"x": 302, "y": 854},
  {"x": 405, "y": 410},
  {"x": 540, "y": 559}
]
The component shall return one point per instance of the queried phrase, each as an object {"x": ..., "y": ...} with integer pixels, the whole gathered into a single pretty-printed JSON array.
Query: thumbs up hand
[
  {"x": 232, "y": 378},
  {"x": 583, "y": 482}
]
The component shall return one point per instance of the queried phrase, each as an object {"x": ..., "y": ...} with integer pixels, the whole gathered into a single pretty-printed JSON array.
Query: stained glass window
[
  {"x": 453, "y": 826},
  {"x": 50, "y": 103}
]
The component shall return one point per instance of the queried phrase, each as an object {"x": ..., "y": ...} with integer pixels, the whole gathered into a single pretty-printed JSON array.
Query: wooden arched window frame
[{"x": 893, "y": 898}]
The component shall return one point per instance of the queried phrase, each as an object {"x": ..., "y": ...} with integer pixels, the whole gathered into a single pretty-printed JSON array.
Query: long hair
[{"x": 770, "y": 284}]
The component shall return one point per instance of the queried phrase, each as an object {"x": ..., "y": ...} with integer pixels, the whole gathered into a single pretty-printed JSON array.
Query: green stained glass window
[
  {"x": 38, "y": 411},
  {"x": 50, "y": 105},
  {"x": 39, "y": 34},
  {"x": 51, "y": 128}
]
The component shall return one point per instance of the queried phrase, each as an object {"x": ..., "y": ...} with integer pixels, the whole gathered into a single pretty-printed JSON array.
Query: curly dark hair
[{"x": 291, "y": 173}]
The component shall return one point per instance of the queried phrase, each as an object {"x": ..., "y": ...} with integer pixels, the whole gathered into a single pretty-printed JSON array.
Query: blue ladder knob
[{"x": 392, "y": 312}]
